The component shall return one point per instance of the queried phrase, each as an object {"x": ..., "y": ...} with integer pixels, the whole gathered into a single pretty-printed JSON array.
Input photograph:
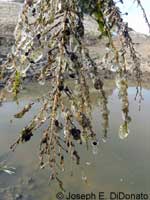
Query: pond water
[{"x": 119, "y": 166}]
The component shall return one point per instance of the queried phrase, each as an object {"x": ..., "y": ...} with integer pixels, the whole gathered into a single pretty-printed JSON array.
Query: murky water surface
[{"x": 120, "y": 165}]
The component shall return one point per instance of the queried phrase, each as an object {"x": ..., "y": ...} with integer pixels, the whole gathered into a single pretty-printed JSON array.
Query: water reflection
[{"x": 117, "y": 166}]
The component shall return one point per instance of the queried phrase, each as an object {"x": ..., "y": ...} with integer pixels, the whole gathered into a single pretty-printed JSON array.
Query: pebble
[{"x": 18, "y": 196}]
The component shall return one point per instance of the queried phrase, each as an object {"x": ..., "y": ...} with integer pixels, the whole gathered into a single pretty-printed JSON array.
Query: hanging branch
[
  {"x": 144, "y": 13},
  {"x": 56, "y": 39},
  {"x": 49, "y": 44}
]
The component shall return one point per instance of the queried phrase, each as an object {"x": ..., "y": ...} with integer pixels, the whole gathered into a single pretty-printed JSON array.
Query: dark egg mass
[{"x": 76, "y": 133}]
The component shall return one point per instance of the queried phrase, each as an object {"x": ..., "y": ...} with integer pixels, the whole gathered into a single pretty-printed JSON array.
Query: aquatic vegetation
[
  {"x": 49, "y": 41},
  {"x": 24, "y": 110}
]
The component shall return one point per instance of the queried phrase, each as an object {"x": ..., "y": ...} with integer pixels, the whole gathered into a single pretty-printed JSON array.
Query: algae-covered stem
[{"x": 51, "y": 33}]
